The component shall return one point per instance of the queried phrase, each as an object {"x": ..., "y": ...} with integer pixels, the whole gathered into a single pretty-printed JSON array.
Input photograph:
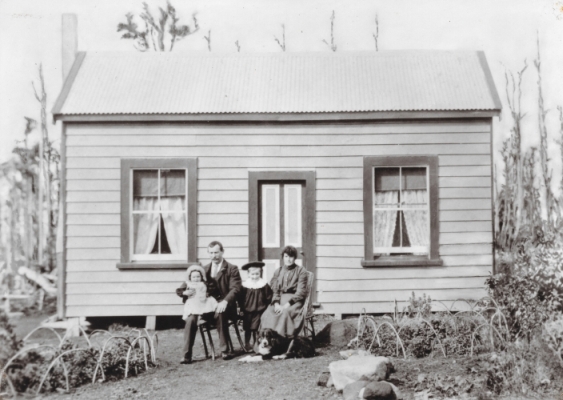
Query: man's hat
[{"x": 253, "y": 264}]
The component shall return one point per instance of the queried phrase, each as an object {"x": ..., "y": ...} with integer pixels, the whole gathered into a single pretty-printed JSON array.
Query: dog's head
[{"x": 268, "y": 342}]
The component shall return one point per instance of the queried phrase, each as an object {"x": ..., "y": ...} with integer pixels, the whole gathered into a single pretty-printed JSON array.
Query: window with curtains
[
  {"x": 400, "y": 211},
  {"x": 158, "y": 213}
]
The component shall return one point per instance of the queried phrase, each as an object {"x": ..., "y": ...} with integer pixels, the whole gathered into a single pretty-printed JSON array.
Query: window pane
[
  {"x": 145, "y": 189},
  {"x": 384, "y": 225},
  {"x": 418, "y": 230},
  {"x": 145, "y": 229},
  {"x": 414, "y": 178},
  {"x": 172, "y": 182},
  {"x": 174, "y": 236},
  {"x": 386, "y": 179}
]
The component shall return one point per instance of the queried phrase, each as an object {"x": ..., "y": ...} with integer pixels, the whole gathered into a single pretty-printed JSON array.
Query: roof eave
[{"x": 278, "y": 117}]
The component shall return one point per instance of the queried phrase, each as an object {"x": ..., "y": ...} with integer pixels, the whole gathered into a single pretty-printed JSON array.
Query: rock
[
  {"x": 323, "y": 378},
  {"x": 357, "y": 367},
  {"x": 345, "y": 354},
  {"x": 352, "y": 390},
  {"x": 379, "y": 391},
  {"x": 338, "y": 333}
]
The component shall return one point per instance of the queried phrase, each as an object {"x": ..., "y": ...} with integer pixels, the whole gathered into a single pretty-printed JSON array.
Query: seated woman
[{"x": 289, "y": 285}]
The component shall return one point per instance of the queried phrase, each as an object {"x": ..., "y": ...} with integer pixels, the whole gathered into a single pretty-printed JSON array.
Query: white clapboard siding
[
  {"x": 335, "y": 151},
  {"x": 404, "y": 283},
  {"x": 389, "y": 306},
  {"x": 391, "y": 295},
  {"x": 195, "y": 140},
  {"x": 373, "y": 274},
  {"x": 103, "y": 162}
]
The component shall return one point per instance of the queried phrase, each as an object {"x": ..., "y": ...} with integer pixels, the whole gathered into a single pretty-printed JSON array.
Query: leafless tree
[
  {"x": 376, "y": 34},
  {"x": 282, "y": 42},
  {"x": 332, "y": 45},
  {"x": 154, "y": 34},
  {"x": 208, "y": 40}
]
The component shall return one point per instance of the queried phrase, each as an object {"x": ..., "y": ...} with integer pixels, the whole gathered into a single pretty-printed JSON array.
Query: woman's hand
[
  {"x": 277, "y": 308},
  {"x": 286, "y": 306},
  {"x": 189, "y": 292}
]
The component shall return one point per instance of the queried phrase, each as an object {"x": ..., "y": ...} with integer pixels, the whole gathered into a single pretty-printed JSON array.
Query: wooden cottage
[{"x": 376, "y": 166}]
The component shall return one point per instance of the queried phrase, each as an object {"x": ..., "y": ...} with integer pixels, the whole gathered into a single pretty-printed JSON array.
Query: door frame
[{"x": 309, "y": 209}]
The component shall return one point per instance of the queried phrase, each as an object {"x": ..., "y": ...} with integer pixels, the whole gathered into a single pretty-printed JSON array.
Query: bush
[
  {"x": 80, "y": 363},
  {"x": 9, "y": 344}
]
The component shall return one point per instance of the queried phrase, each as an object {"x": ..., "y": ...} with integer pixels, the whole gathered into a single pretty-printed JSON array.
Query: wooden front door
[
  {"x": 281, "y": 212},
  {"x": 281, "y": 221}
]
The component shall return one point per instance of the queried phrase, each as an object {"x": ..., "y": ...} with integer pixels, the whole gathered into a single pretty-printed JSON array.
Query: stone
[
  {"x": 323, "y": 378},
  {"x": 352, "y": 390},
  {"x": 338, "y": 333},
  {"x": 357, "y": 367},
  {"x": 379, "y": 391},
  {"x": 345, "y": 354}
]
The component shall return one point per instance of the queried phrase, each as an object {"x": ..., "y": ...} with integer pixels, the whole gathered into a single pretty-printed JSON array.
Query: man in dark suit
[{"x": 224, "y": 283}]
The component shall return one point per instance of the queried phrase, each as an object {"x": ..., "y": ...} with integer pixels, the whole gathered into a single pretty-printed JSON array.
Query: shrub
[
  {"x": 80, "y": 364},
  {"x": 9, "y": 344}
]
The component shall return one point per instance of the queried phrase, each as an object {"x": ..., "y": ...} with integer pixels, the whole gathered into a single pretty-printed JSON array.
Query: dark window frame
[
  {"x": 433, "y": 258},
  {"x": 127, "y": 164}
]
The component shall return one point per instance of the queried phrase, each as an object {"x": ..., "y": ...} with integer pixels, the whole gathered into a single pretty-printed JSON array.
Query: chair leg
[
  {"x": 312, "y": 329},
  {"x": 203, "y": 340},
  {"x": 238, "y": 337},
  {"x": 211, "y": 344}
]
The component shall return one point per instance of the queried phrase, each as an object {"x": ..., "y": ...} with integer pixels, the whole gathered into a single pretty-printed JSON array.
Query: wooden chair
[
  {"x": 206, "y": 327},
  {"x": 308, "y": 329}
]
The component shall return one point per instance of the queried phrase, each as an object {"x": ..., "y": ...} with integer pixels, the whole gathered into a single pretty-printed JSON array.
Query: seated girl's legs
[{"x": 190, "y": 331}]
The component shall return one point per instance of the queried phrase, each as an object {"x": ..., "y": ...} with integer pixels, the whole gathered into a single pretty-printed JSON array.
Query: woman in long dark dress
[{"x": 289, "y": 285}]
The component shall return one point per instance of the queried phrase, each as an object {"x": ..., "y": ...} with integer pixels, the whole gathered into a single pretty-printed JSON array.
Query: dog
[{"x": 271, "y": 345}]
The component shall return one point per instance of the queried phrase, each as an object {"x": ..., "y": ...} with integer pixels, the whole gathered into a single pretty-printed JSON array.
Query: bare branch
[
  {"x": 282, "y": 43},
  {"x": 332, "y": 45},
  {"x": 376, "y": 34},
  {"x": 238, "y": 46},
  {"x": 208, "y": 39}
]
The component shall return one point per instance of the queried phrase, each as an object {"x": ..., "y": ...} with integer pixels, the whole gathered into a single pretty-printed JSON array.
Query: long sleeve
[
  {"x": 181, "y": 290},
  {"x": 269, "y": 294},
  {"x": 235, "y": 284},
  {"x": 276, "y": 286},
  {"x": 301, "y": 291}
]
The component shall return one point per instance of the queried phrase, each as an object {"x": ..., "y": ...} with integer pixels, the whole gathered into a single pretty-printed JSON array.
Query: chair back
[{"x": 307, "y": 309}]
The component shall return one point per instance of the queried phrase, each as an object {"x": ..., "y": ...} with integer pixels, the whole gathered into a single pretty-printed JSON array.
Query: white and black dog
[{"x": 271, "y": 345}]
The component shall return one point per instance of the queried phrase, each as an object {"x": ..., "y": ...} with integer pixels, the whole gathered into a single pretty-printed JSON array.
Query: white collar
[{"x": 259, "y": 284}]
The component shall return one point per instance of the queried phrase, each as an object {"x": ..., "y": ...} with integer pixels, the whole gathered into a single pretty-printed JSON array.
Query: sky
[{"x": 507, "y": 30}]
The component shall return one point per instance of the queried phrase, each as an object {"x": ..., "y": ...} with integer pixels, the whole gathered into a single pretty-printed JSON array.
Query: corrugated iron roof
[{"x": 187, "y": 83}]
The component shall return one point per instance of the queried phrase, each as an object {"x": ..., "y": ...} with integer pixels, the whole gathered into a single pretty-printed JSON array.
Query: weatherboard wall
[{"x": 226, "y": 153}]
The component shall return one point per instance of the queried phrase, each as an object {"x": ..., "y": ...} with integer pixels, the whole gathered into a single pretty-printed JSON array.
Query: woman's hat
[
  {"x": 253, "y": 264},
  {"x": 196, "y": 267}
]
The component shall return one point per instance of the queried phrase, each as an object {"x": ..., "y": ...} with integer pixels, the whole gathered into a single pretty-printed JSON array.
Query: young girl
[
  {"x": 200, "y": 303},
  {"x": 256, "y": 295}
]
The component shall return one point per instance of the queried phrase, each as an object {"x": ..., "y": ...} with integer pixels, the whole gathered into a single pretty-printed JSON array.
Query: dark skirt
[{"x": 288, "y": 323}]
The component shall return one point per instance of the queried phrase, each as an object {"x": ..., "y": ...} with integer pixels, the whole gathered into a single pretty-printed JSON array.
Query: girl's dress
[
  {"x": 289, "y": 285},
  {"x": 256, "y": 296},
  {"x": 199, "y": 303}
]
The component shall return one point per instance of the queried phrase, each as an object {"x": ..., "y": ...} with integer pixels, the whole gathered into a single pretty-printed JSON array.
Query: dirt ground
[{"x": 289, "y": 379}]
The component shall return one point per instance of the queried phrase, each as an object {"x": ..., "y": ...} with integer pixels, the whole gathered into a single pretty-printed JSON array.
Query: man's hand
[
  {"x": 189, "y": 292},
  {"x": 221, "y": 307},
  {"x": 277, "y": 308}
]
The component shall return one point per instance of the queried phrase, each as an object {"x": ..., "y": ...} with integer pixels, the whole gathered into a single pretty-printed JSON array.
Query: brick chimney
[{"x": 69, "y": 42}]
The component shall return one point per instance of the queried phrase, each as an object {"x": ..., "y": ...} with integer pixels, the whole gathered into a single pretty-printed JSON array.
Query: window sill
[
  {"x": 155, "y": 265},
  {"x": 409, "y": 261}
]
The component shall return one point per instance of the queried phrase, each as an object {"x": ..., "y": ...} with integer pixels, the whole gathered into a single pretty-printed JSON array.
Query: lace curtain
[
  {"x": 416, "y": 220},
  {"x": 384, "y": 220}
]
